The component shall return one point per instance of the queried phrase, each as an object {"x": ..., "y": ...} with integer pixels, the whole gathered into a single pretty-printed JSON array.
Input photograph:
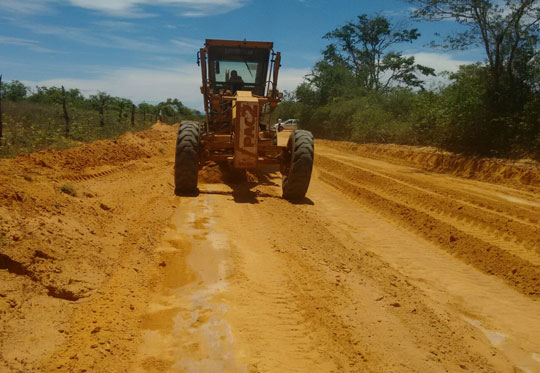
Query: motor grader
[{"x": 239, "y": 88}]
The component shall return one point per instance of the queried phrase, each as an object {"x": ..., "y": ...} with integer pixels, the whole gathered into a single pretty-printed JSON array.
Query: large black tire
[
  {"x": 298, "y": 165},
  {"x": 186, "y": 162}
]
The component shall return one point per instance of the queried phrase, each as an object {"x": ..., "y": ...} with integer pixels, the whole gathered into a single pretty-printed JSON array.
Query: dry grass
[
  {"x": 69, "y": 190},
  {"x": 29, "y": 127}
]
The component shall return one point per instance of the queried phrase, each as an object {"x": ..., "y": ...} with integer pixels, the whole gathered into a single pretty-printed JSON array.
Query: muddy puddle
[
  {"x": 526, "y": 361},
  {"x": 185, "y": 329}
]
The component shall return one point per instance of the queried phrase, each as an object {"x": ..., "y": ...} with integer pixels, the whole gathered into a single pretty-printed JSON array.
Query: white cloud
[
  {"x": 202, "y": 8},
  {"x": 188, "y": 44},
  {"x": 127, "y": 8},
  {"x": 183, "y": 81},
  {"x": 121, "y": 8},
  {"x": 138, "y": 84},
  {"x": 25, "y": 6},
  {"x": 16, "y": 41},
  {"x": 116, "y": 25},
  {"x": 290, "y": 78},
  {"x": 30, "y": 44},
  {"x": 155, "y": 85},
  {"x": 107, "y": 39},
  {"x": 440, "y": 61}
]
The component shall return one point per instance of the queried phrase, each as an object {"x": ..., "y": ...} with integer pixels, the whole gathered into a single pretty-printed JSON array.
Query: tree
[
  {"x": 331, "y": 77},
  {"x": 507, "y": 30},
  {"x": 145, "y": 108},
  {"x": 364, "y": 48},
  {"x": 287, "y": 108},
  {"x": 172, "y": 109},
  {"x": 174, "y": 106},
  {"x": 123, "y": 105},
  {"x": 75, "y": 98},
  {"x": 47, "y": 95},
  {"x": 14, "y": 91},
  {"x": 99, "y": 101},
  {"x": 178, "y": 106}
]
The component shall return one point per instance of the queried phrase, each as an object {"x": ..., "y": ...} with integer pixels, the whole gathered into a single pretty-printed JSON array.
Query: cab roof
[{"x": 239, "y": 43}]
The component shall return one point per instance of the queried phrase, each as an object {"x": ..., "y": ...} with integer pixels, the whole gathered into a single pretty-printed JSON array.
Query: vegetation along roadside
[
  {"x": 365, "y": 88},
  {"x": 53, "y": 117}
]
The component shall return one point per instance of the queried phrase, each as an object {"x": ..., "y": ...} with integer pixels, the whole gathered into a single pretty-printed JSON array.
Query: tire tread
[
  {"x": 186, "y": 163},
  {"x": 296, "y": 183}
]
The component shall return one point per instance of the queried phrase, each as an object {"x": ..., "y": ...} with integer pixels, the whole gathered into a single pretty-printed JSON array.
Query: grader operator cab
[{"x": 239, "y": 88}]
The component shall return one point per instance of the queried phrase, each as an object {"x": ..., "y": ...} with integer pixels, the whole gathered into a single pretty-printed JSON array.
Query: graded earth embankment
[
  {"x": 523, "y": 172},
  {"x": 391, "y": 263}
]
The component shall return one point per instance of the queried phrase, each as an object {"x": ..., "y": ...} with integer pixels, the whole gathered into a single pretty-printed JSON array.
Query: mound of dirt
[
  {"x": 34, "y": 203},
  {"x": 130, "y": 146},
  {"x": 67, "y": 218},
  {"x": 211, "y": 174},
  {"x": 164, "y": 127},
  {"x": 523, "y": 172}
]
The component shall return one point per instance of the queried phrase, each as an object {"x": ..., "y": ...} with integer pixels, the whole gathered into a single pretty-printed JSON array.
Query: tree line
[
  {"x": 15, "y": 91},
  {"x": 364, "y": 88},
  {"x": 32, "y": 119}
]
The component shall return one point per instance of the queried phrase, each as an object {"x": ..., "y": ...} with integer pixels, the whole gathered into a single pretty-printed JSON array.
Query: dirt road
[{"x": 386, "y": 266}]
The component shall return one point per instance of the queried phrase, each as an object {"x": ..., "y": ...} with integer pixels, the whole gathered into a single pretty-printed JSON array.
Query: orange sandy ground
[{"x": 399, "y": 259}]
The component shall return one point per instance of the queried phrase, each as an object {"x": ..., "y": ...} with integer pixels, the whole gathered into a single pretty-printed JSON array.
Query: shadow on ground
[{"x": 242, "y": 185}]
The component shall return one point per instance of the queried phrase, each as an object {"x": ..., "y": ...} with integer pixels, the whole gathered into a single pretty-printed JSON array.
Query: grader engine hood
[{"x": 246, "y": 131}]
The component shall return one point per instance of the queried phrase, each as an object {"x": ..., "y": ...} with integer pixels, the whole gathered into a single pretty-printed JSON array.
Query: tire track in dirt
[
  {"x": 275, "y": 319},
  {"x": 89, "y": 176},
  {"x": 357, "y": 300},
  {"x": 521, "y": 174},
  {"x": 496, "y": 212},
  {"x": 519, "y": 238},
  {"x": 525, "y": 207},
  {"x": 507, "y": 318},
  {"x": 483, "y": 255},
  {"x": 187, "y": 324}
]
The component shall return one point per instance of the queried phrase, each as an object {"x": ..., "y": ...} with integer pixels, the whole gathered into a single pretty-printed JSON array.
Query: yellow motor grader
[{"x": 239, "y": 86}]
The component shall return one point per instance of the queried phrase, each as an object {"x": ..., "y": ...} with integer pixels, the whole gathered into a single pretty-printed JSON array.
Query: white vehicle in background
[{"x": 289, "y": 124}]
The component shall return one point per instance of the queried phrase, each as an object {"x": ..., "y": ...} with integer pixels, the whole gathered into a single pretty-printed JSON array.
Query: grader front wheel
[
  {"x": 298, "y": 165},
  {"x": 186, "y": 163}
]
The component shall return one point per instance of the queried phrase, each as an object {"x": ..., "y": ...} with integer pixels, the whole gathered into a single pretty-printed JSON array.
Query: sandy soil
[{"x": 389, "y": 264}]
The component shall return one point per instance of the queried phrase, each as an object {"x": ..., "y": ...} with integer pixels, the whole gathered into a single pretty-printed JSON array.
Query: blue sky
[{"x": 145, "y": 49}]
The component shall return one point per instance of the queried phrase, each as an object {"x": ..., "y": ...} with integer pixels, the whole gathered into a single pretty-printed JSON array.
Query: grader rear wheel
[
  {"x": 298, "y": 165},
  {"x": 186, "y": 164}
]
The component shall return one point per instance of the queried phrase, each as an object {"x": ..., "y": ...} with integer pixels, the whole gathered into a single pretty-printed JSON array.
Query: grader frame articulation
[{"x": 239, "y": 86}]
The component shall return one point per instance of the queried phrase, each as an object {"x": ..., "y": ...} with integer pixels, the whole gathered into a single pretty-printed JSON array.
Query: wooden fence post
[
  {"x": 102, "y": 112},
  {"x": 132, "y": 115},
  {"x": 1, "y": 123},
  {"x": 66, "y": 116}
]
